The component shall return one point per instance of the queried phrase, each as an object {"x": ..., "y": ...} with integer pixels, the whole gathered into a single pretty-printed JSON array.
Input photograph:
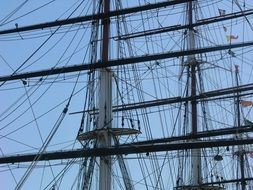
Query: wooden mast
[
  {"x": 105, "y": 105},
  {"x": 195, "y": 153}
]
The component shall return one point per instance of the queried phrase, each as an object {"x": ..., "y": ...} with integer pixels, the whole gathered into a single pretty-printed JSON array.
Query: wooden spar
[{"x": 125, "y": 61}]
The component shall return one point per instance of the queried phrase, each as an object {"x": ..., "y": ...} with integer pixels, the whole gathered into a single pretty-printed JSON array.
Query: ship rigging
[{"x": 127, "y": 95}]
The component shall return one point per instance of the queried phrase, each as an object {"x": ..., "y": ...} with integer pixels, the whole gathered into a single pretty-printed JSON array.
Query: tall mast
[
  {"x": 241, "y": 150},
  {"x": 105, "y": 105},
  {"x": 195, "y": 153}
]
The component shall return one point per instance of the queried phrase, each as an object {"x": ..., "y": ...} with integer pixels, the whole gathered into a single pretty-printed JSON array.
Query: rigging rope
[
  {"x": 47, "y": 141},
  {"x": 12, "y": 13},
  {"x": 5, "y": 22},
  {"x": 15, "y": 72},
  {"x": 43, "y": 148}
]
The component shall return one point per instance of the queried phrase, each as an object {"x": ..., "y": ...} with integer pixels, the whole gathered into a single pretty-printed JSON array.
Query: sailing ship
[{"x": 113, "y": 94}]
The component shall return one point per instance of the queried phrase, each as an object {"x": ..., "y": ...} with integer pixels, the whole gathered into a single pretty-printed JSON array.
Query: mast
[
  {"x": 195, "y": 153},
  {"x": 102, "y": 144},
  {"x": 105, "y": 105},
  {"x": 241, "y": 150}
]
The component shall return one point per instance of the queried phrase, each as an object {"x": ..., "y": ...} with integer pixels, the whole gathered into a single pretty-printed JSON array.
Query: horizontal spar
[
  {"x": 125, "y": 149},
  {"x": 181, "y": 27},
  {"x": 125, "y": 61},
  {"x": 228, "y": 181},
  {"x": 94, "y": 17},
  {"x": 206, "y": 96},
  {"x": 201, "y": 134}
]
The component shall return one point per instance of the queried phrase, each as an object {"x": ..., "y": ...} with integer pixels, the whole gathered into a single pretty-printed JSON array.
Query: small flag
[
  {"x": 246, "y": 103},
  {"x": 225, "y": 29},
  {"x": 222, "y": 12},
  {"x": 231, "y": 37}
]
